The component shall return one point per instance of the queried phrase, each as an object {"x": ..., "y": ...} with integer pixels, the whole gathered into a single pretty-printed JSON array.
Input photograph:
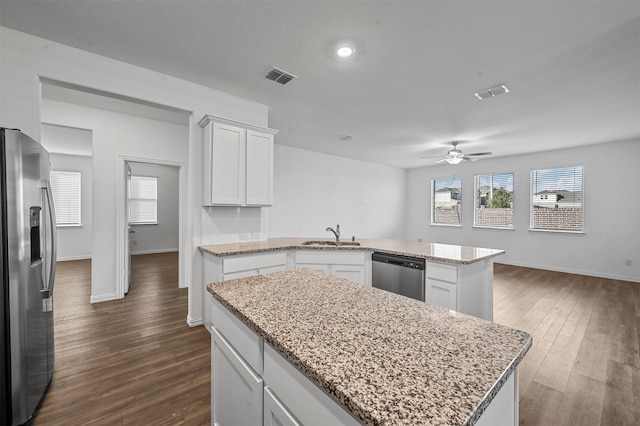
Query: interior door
[{"x": 128, "y": 230}]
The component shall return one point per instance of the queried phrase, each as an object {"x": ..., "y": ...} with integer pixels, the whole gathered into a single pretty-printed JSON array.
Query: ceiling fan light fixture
[{"x": 454, "y": 160}]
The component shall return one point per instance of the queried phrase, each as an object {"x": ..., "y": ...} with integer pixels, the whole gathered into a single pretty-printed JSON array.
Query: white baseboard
[
  {"x": 154, "y": 251},
  {"x": 572, "y": 271},
  {"x": 68, "y": 258},
  {"x": 194, "y": 322},
  {"x": 103, "y": 298}
]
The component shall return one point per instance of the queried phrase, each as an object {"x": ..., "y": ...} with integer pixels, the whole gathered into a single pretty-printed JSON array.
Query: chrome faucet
[{"x": 336, "y": 232}]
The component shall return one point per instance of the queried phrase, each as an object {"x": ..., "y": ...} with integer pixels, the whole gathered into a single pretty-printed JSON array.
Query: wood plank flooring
[
  {"x": 132, "y": 361},
  {"x": 135, "y": 361},
  {"x": 584, "y": 366}
]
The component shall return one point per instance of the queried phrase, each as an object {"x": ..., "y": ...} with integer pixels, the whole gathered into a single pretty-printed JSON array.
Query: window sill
[
  {"x": 556, "y": 231},
  {"x": 451, "y": 225},
  {"x": 501, "y": 228},
  {"x": 74, "y": 225}
]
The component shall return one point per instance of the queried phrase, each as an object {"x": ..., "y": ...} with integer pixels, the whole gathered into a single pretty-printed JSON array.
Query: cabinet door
[
  {"x": 442, "y": 294},
  {"x": 349, "y": 272},
  {"x": 259, "y": 169},
  {"x": 236, "y": 390},
  {"x": 275, "y": 413},
  {"x": 228, "y": 165}
]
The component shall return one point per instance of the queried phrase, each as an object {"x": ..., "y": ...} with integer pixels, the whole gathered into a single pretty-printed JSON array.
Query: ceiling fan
[{"x": 455, "y": 156}]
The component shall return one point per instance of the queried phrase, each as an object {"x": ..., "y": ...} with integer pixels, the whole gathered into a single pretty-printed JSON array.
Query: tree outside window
[{"x": 494, "y": 201}]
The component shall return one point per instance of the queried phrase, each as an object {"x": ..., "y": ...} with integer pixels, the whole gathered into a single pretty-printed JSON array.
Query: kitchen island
[{"x": 379, "y": 358}]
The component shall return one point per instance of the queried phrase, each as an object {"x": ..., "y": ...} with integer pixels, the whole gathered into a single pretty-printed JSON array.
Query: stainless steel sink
[{"x": 331, "y": 243}]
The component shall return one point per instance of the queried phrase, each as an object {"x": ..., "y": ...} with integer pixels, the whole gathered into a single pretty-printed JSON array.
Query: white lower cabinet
[
  {"x": 441, "y": 293},
  {"x": 463, "y": 288},
  {"x": 236, "y": 391},
  {"x": 349, "y": 265},
  {"x": 275, "y": 413}
]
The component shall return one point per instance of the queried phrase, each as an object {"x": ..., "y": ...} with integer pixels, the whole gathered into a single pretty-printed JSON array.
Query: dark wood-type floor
[
  {"x": 131, "y": 361},
  {"x": 135, "y": 361}
]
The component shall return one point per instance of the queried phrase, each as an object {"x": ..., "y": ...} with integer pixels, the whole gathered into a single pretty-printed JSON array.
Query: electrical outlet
[
  {"x": 628, "y": 262},
  {"x": 245, "y": 235},
  {"x": 419, "y": 239}
]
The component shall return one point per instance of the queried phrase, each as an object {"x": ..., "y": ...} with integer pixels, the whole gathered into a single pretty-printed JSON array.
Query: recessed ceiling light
[{"x": 345, "y": 51}]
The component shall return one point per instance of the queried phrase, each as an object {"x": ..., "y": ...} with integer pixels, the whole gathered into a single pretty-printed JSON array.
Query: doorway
[
  {"x": 146, "y": 233},
  {"x": 152, "y": 208}
]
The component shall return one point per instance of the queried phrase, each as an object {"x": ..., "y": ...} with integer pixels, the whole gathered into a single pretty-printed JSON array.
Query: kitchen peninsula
[
  {"x": 303, "y": 347},
  {"x": 455, "y": 277}
]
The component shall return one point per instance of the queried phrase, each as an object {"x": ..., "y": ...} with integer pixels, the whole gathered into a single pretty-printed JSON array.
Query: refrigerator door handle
[{"x": 52, "y": 229}]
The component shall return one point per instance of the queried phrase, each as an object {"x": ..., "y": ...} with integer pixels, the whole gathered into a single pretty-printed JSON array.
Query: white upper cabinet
[{"x": 238, "y": 163}]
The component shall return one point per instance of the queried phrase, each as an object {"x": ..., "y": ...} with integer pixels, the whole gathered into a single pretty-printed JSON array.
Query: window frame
[
  {"x": 475, "y": 201},
  {"x": 131, "y": 200},
  {"x": 433, "y": 202},
  {"x": 531, "y": 202},
  {"x": 55, "y": 204}
]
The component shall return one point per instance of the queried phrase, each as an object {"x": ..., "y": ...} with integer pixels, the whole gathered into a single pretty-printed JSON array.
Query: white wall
[
  {"x": 313, "y": 191},
  {"x": 25, "y": 59},
  {"x": 115, "y": 134},
  {"x": 74, "y": 242},
  {"x": 611, "y": 203},
  {"x": 163, "y": 236}
]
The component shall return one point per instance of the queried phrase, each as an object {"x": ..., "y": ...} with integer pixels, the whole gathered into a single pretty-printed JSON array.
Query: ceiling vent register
[
  {"x": 280, "y": 76},
  {"x": 491, "y": 92}
]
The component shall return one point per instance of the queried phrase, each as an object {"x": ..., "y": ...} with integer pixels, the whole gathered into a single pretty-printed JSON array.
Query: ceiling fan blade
[
  {"x": 432, "y": 156},
  {"x": 441, "y": 161},
  {"x": 478, "y": 154}
]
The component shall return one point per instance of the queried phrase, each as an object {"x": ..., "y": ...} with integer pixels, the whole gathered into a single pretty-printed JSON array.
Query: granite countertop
[
  {"x": 386, "y": 358},
  {"x": 429, "y": 251}
]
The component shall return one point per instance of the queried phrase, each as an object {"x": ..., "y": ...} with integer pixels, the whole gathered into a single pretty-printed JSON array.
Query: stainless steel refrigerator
[{"x": 28, "y": 252}]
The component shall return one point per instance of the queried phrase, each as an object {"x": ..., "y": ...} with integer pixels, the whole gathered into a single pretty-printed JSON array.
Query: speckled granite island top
[
  {"x": 386, "y": 358},
  {"x": 431, "y": 251}
]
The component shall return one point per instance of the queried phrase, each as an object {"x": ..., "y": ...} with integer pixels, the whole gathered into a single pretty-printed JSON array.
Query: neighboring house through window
[
  {"x": 494, "y": 201},
  {"x": 557, "y": 199},
  {"x": 143, "y": 200},
  {"x": 67, "y": 198},
  {"x": 446, "y": 200}
]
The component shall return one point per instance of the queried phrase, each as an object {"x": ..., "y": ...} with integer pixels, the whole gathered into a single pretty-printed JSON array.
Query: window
[
  {"x": 446, "y": 200},
  {"x": 143, "y": 200},
  {"x": 556, "y": 199},
  {"x": 65, "y": 187},
  {"x": 494, "y": 201}
]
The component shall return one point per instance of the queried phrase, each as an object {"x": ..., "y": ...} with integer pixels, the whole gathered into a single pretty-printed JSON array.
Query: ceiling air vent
[
  {"x": 491, "y": 92},
  {"x": 280, "y": 76}
]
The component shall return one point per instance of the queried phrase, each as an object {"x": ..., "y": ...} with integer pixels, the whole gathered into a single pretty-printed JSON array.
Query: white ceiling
[{"x": 573, "y": 67}]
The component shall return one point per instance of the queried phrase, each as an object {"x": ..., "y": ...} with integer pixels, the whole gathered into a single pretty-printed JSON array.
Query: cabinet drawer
[
  {"x": 442, "y": 272},
  {"x": 254, "y": 261},
  {"x": 247, "y": 343},
  {"x": 303, "y": 398},
  {"x": 330, "y": 257}
]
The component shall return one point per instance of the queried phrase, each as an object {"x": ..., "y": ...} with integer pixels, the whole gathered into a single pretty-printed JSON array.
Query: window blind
[
  {"x": 66, "y": 189},
  {"x": 143, "y": 200},
  {"x": 557, "y": 199}
]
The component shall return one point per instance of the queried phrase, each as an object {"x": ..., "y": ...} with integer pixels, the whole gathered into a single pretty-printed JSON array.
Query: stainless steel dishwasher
[{"x": 398, "y": 274}]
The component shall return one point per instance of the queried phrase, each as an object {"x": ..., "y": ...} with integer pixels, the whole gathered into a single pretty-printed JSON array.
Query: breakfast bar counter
[{"x": 381, "y": 357}]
